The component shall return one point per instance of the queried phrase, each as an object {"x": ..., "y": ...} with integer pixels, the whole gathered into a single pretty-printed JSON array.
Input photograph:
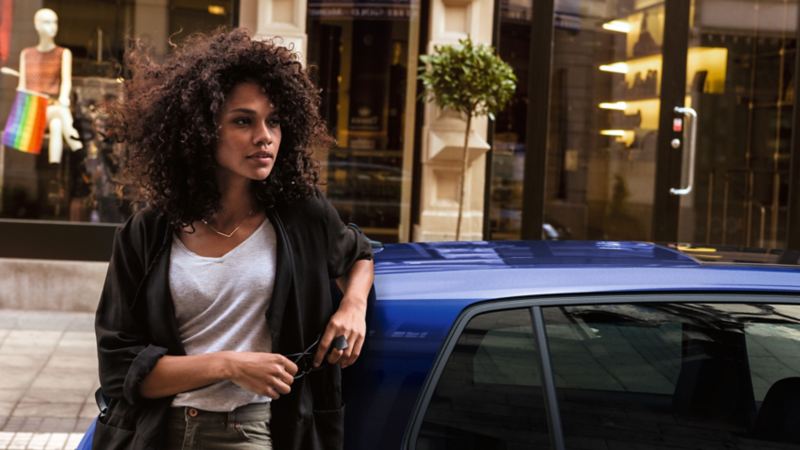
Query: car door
[{"x": 649, "y": 371}]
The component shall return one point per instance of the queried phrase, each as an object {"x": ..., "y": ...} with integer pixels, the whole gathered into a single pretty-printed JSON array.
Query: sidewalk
[{"x": 48, "y": 375}]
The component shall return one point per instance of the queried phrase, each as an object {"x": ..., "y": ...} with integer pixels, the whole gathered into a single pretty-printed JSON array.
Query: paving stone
[
  {"x": 14, "y": 424},
  {"x": 88, "y": 410},
  {"x": 82, "y": 424},
  {"x": 6, "y": 408},
  {"x": 57, "y": 441},
  {"x": 32, "y": 424},
  {"x": 29, "y": 409},
  {"x": 5, "y": 438},
  {"x": 81, "y": 335},
  {"x": 73, "y": 440},
  {"x": 74, "y": 380},
  {"x": 20, "y": 441},
  {"x": 32, "y": 337},
  {"x": 39, "y": 441},
  {"x": 54, "y": 396},
  {"x": 10, "y": 395},
  {"x": 88, "y": 362},
  {"x": 57, "y": 425},
  {"x": 48, "y": 367},
  {"x": 16, "y": 378},
  {"x": 22, "y": 361},
  {"x": 77, "y": 348}
]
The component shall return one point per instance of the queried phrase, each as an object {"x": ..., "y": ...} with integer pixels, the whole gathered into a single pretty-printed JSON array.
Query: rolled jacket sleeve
[
  {"x": 346, "y": 243},
  {"x": 125, "y": 353}
]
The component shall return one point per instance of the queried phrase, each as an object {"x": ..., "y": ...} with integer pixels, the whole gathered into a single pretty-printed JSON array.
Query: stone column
[
  {"x": 443, "y": 135},
  {"x": 281, "y": 19},
  {"x": 151, "y": 23}
]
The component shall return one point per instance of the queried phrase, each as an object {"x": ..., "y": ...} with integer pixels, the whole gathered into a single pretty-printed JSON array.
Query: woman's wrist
[
  {"x": 354, "y": 303},
  {"x": 224, "y": 365}
]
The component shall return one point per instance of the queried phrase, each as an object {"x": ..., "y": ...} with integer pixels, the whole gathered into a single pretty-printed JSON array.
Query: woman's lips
[{"x": 263, "y": 157}]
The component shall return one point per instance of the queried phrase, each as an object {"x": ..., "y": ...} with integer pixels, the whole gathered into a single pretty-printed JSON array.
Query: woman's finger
[
  {"x": 355, "y": 352},
  {"x": 280, "y": 386},
  {"x": 324, "y": 344},
  {"x": 289, "y": 366},
  {"x": 334, "y": 356}
]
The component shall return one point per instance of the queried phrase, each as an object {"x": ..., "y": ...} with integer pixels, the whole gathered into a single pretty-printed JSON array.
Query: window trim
[{"x": 534, "y": 305}]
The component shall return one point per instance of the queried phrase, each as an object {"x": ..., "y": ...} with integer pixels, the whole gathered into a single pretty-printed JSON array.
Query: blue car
[{"x": 575, "y": 345}]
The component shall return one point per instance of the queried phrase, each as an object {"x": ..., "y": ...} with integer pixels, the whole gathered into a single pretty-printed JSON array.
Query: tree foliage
[{"x": 468, "y": 78}]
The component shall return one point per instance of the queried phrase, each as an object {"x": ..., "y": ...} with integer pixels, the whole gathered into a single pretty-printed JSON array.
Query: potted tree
[{"x": 472, "y": 80}]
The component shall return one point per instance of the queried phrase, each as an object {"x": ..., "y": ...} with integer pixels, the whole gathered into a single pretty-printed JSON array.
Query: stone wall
[{"x": 36, "y": 284}]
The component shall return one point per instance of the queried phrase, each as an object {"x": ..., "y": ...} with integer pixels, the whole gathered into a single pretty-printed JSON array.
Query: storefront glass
[
  {"x": 75, "y": 177},
  {"x": 604, "y": 115},
  {"x": 508, "y": 148},
  {"x": 745, "y": 103},
  {"x": 605, "y": 102},
  {"x": 363, "y": 58}
]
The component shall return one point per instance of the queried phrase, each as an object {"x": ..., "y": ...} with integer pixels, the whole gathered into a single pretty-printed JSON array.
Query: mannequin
[{"x": 47, "y": 69}]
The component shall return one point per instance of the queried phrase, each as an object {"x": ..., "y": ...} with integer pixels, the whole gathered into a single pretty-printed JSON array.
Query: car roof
[{"x": 475, "y": 271}]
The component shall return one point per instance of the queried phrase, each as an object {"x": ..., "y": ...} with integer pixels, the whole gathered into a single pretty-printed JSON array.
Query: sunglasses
[{"x": 305, "y": 360}]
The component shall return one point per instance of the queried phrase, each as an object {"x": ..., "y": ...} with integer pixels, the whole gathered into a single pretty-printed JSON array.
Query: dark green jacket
[{"x": 135, "y": 324}]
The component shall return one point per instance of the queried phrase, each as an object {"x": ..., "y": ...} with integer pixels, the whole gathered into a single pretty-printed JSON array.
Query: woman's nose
[{"x": 263, "y": 136}]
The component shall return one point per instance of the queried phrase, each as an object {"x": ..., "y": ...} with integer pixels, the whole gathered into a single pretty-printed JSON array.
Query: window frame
[{"x": 534, "y": 305}]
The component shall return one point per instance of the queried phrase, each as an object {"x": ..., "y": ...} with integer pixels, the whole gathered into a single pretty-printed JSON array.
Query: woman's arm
[
  {"x": 350, "y": 319},
  {"x": 267, "y": 374}
]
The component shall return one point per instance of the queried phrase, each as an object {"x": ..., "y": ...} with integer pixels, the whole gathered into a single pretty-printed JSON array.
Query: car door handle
[{"x": 692, "y": 130}]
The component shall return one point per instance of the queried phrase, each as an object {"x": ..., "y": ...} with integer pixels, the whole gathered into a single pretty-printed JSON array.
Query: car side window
[
  {"x": 677, "y": 375},
  {"x": 488, "y": 395}
]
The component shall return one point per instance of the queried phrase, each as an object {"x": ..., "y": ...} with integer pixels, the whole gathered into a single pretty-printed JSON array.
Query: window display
[{"x": 62, "y": 61}]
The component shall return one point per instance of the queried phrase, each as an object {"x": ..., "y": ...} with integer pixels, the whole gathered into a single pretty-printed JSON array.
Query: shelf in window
[{"x": 711, "y": 60}]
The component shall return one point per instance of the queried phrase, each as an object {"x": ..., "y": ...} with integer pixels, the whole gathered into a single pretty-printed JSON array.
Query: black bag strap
[{"x": 102, "y": 402}]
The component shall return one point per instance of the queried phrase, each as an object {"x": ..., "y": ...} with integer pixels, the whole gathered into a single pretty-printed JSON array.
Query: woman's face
[{"x": 249, "y": 135}]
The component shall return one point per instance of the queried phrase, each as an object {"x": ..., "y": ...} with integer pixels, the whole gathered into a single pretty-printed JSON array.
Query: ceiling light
[
  {"x": 620, "y": 26},
  {"x": 619, "y": 67}
]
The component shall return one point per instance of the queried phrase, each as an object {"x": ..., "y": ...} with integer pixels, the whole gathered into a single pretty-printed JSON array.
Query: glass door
[
  {"x": 605, "y": 107},
  {"x": 740, "y": 70}
]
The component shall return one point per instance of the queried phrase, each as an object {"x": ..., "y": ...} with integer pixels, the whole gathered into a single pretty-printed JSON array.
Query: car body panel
[{"x": 423, "y": 289}]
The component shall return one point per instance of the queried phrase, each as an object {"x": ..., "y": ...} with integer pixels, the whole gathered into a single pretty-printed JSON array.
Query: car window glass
[
  {"x": 488, "y": 396},
  {"x": 677, "y": 375}
]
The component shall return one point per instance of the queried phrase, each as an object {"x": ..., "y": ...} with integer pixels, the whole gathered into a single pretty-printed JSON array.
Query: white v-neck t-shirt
[{"x": 220, "y": 305}]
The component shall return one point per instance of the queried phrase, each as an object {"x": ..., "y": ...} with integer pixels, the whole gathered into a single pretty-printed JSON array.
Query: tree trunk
[{"x": 463, "y": 185}]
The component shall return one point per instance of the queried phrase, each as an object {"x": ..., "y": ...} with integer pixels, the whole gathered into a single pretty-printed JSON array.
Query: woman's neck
[{"x": 236, "y": 203}]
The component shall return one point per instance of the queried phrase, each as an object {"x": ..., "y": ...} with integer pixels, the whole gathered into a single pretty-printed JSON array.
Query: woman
[{"x": 228, "y": 267}]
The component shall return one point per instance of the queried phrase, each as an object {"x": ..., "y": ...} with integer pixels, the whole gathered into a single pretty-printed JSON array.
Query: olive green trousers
[{"x": 245, "y": 428}]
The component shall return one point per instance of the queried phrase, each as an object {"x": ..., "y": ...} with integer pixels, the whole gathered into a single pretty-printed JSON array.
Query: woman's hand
[
  {"x": 267, "y": 374},
  {"x": 348, "y": 321}
]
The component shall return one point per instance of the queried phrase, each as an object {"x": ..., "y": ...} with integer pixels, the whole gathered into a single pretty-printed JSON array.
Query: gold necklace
[{"x": 227, "y": 235}]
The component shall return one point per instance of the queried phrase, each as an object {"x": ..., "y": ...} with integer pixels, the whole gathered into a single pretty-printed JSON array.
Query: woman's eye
[
  {"x": 241, "y": 121},
  {"x": 274, "y": 122}
]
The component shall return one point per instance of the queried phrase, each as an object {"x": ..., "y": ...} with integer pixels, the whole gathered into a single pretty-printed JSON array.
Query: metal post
[
  {"x": 540, "y": 63},
  {"x": 726, "y": 192},
  {"x": 793, "y": 207},
  {"x": 709, "y": 206}
]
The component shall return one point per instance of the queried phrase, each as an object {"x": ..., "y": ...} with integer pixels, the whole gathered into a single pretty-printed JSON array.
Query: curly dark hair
[{"x": 169, "y": 122}]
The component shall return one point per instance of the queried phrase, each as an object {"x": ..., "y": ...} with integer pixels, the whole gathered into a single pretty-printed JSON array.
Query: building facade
[{"x": 591, "y": 147}]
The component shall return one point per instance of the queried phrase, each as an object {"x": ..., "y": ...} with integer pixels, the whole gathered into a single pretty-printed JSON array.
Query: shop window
[
  {"x": 79, "y": 180},
  {"x": 360, "y": 59}
]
